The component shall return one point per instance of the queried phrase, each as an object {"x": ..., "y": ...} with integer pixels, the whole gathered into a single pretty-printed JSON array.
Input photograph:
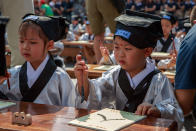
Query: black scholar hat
[
  {"x": 140, "y": 29},
  {"x": 53, "y": 27},
  {"x": 168, "y": 16}
]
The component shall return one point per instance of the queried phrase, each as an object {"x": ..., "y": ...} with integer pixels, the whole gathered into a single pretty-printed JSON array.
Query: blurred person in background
[
  {"x": 46, "y": 9},
  {"x": 67, "y": 8},
  {"x": 15, "y": 10},
  {"x": 99, "y": 16}
]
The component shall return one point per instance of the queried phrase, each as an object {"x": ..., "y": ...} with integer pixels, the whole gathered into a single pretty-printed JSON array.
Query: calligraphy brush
[{"x": 82, "y": 89}]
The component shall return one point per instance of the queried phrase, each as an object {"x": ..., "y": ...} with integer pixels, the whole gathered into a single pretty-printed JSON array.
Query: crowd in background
[
  {"x": 76, "y": 8},
  {"x": 179, "y": 8}
]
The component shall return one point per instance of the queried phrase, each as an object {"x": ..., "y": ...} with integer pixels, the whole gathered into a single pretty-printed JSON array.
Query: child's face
[
  {"x": 128, "y": 56},
  {"x": 166, "y": 27},
  {"x": 88, "y": 29},
  {"x": 32, "y": 47}
]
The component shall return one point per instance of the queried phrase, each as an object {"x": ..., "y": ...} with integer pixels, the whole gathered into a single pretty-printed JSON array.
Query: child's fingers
[
  {"x": 2, "y": 79},
  {"x": 85, "y": 75},
  {"x": 78, "y": 58},
  {"x": 144, "y": 110},
  {"x": 153, "y": 111},
  {"x": 8, "y": 74},
  {"x": 150, "y": 111},
  {"x": 80, "y": 65},
  {"x": 139, "y": 110}
]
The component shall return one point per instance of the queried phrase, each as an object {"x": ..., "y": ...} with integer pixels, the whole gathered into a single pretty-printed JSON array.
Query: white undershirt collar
[
  {"x": 150, "y": 66},
  {"x": 32, "y": 75}
]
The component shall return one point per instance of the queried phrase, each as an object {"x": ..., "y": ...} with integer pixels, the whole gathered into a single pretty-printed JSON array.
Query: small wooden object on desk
[
  {"x": 160, "y": 55},
  {"x": 21, "y": 118}
]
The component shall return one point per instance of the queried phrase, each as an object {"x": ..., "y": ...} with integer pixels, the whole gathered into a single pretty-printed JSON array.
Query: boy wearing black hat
[
  {"x": 135, "y": 85},
  {"x": 39, "y": 80}
]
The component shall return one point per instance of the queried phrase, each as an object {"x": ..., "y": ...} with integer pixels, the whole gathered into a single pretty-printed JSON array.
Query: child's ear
[
  {"x": 50, "y": 45},
  {"x": 148, "y": 51}
]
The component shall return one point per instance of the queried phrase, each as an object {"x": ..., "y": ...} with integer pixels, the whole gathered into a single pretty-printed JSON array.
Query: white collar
[
  {"x": 32, "y": 75},
  {"x": 150, "y": 66}
]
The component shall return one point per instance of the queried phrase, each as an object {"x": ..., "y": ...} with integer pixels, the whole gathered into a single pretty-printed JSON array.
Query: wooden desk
[
  {"x": 91, "y": 74},
  {"x": 56, "y": 118},
  {"x": 98, "y": 73},
  {"x": 160, "y": 55},
  {"x": 87, "y": 49},
  {"x": 170, "y": 75}
]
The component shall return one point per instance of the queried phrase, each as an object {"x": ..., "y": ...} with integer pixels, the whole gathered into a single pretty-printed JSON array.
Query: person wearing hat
[
  {"x": 168, "y": 42},
  {"x": 39, "y": 80},
  {"x": 88, "y": 35},
  {"x": 135, "y": 85},
  {"x": 75, "y": 27}
]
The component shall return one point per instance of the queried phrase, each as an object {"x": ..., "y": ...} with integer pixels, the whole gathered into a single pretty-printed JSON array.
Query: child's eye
[
  {"x": 127, "y": 48},
  {"x": 21, "y": 41},
  {"x": 116, "y": 47},
  {"x": 33, "y": 42}
]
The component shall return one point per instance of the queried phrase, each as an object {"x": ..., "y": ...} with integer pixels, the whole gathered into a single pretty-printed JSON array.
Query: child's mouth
[
  {"x": 122, "y": 62},
  {"x": 26, "y": 55}
]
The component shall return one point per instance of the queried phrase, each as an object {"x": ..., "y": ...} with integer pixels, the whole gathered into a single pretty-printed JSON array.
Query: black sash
[
  {"x": 2, "y": 96},
  {"x": 135, "y": 97},
  {"x": 30, "y": 94},
  {"x": 166, "y": 43}
]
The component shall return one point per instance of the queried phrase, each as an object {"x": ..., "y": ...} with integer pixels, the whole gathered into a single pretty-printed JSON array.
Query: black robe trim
[
  {"x": 166, "y": 43},
  {"x": 30, "y": 94},
  {"x": 2, "y": 96},
  {"x": 135, "y": 97}
]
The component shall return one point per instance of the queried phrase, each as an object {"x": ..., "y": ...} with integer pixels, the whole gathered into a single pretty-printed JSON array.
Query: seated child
[
  {"x": 107, "y": 58},
  {"x": 135, "y": 85},
  {"x": 58, "y": 49},
  {"x": 168, "y": 42},
  {"x": 88, "y": 35},
  {"x": 39, "y": 80}
]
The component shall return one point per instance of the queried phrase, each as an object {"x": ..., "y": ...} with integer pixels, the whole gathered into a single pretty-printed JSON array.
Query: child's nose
[
  {"x": 121, "y": 53},
  {"x": 26, "y": 46}
]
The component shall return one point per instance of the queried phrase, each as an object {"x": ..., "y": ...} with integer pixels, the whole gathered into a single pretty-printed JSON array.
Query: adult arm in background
[
  {"x": 185, "y": 80},
  {"x": 185, "y": 98}
]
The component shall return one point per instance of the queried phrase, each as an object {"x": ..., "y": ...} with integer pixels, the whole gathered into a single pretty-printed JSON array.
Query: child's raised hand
[
  {"x": 148, "y": 109},
  {"x": 80, "y": 69},
  {"x": 105, "y": 53},
  {"x": 81, "y": 74}
]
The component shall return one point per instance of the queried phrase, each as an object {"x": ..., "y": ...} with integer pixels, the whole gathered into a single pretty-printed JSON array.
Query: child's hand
[
  {"x": 81, "y": 74},
  {"x": 105, "y": 53},
  {"x": 2, "y": 79},
  {"x": 148, "y": 109}
]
